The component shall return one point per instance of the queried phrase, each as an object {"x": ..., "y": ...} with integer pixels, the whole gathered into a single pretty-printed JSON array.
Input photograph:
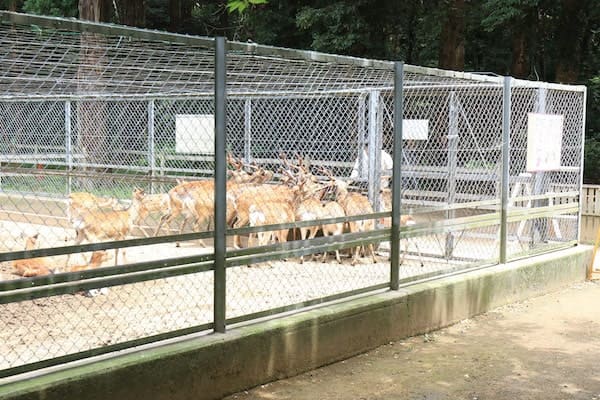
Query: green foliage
[
  {"x": 157, "y": 14},
  {"x": 591, "y": 171},
  {"x": 57, "y": 8},
  {"x": 499, "y": 13},
  {"x": 593, "y": 108},
  {"x": 242, "y": 5},
  {"x": 336, "y": 28}
]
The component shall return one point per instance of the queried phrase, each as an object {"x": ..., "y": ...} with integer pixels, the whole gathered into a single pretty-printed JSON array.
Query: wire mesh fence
[{"x": 108, "y": 144}]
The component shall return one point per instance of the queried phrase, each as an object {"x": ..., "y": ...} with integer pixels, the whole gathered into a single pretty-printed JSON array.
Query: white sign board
[
  {"x": 415, "y": 129},
  {"x": 195, "y": 133},
  {"x": 544, "y": 141}
]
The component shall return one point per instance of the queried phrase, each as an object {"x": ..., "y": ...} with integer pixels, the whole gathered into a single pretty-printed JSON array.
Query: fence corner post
[{"x": 505, "y": 184}]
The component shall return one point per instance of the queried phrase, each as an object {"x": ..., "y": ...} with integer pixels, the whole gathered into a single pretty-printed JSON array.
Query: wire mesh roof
[{"x": 43, "y": 57}]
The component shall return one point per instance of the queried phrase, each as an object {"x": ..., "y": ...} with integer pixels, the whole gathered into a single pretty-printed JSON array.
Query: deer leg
[
  {"x": 313, "y": 233},
  {"x": 241, "y": 221},
  {"x": 419, "y": 253},
  {"x": 165, "y": 218},
  {"x": 282, "y": 237},
  {"x": 303, "y": 234},
  {"x": 372, "y": 251}
]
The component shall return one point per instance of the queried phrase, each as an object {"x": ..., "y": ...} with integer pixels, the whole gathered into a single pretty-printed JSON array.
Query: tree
[
  {"x": 180, "y": 12},
  {"x": 242, "y": 5},
  {"x": 571, "y": 26},
  {"x": 59, "y": 8},
  {"x": 343, "y": 27},
  {"x": 519, "y": 18},
  {"x": 452, "y": 39},
  {"x": 13, "y": 5},
  {"x": 95, "y": 10},
  {"x": 131, "y": 12},
  {"x": 91, "y": 115}
]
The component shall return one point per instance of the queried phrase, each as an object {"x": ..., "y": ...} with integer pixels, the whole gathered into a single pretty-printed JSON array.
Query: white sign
[
  {"x": 415, "y": 129},
  {"x": 195, "y": 133},
  {"x": 544, "y": 141}
]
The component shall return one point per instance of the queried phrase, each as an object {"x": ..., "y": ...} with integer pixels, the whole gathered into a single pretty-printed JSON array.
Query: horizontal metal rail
[
  {"x": 115, "y": 279},
  {"x": 306, "y": 304},
  {"x": 98, "y": 351}
]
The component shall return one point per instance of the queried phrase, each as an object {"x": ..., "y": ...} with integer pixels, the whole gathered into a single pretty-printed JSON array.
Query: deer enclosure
[{"x": 146, "y": 177}]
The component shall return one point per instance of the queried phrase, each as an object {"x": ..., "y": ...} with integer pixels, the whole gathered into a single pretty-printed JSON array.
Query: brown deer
[
  {"x": 38, "y": 266},
  {"x": 96, "y": 226}
]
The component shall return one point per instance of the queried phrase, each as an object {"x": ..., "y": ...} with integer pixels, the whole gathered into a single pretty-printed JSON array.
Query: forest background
[{"x": 546, "y": 40}]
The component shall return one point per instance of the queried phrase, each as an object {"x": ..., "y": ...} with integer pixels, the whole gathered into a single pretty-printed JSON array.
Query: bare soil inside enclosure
[{"x": 543, "y": 348}]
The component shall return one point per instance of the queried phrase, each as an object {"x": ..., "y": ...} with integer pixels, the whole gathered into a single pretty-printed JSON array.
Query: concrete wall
[{"x": 209, "y": 367}]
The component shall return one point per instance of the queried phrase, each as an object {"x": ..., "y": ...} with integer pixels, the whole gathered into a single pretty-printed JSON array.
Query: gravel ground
[{"x": 543, "y": 348}]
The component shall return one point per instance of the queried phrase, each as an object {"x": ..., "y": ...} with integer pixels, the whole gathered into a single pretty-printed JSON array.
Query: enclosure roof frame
[{"x": 77, "y": 25}]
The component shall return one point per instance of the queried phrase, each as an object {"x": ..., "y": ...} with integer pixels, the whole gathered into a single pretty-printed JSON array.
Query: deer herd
[{"x": 252, "y": 200}]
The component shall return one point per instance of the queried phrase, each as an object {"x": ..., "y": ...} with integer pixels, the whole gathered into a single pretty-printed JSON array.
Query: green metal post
[
  {"x": 220, "y": 184},
  {"x": 397, "y": 174}
]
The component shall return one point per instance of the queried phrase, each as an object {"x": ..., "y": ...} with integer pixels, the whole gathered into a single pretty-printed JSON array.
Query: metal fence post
[
  {"x": 505, "y": 187},
  {"x": 539, "y": 225},
  {"x": 453, "y": 137},
  {"x": 151, "y": 150},
  {"x": 247, "y": 130},
  {"x": 220, "y": 184},
  {"x": 374, "y": 175},
  {"x": 581, "y": 163},
  {"x": 68, "y": 146},
  {"x": 397, "y": 174}
]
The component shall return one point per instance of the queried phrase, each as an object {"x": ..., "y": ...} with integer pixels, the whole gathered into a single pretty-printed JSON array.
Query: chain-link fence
[{"x": 108, "y": 139}]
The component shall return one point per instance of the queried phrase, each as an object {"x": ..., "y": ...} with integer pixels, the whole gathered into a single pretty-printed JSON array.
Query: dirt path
[{"x": 544, "y": 348}]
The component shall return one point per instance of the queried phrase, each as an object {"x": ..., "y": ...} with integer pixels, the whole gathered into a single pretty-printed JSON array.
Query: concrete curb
[{"x": 212, "y": 366}]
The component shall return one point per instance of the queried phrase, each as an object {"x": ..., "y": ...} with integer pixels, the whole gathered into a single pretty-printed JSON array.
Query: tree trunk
[
  {"x": 572, "y": 22},
  {"x": 180, "y": 12},
  {"x": 452, "y": 40},
  {"x": 411, "y": 33},
  {"x": 175, "y": 15},
  {"x": 95, "y": 10},
  {"x": 12, "y": 5},
  {"x": 520, "y": 54},
  {"x": 131, "y": 12},
  {"x": 524, "y": 29},
  {"x": 90, "y": 142}
]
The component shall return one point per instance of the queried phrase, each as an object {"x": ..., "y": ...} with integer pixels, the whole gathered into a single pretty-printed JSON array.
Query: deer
[
  {"x": 150, "y": 204},
  {"x": 83, "y": 202},
  {"x": 405, "y": 220},
  {"x": 95, "y": 226},
  {"x": 177, "y": 202},
  {"x": 202, "y": 205},
  {"x": 308, "y": 210},
  {"x": 333, "y": 209},
  {"x": 96, "y": 260},
  {"x": 268, "y": 214},
  {"x": 195, "y": 200},
  {"x": 355, "y": 204},
  {"x": 30, "y": 267},
  {"x": 408, "y": 220},
  {"x": 308, "y": 206},
  {"x": 244, "y": 196}
]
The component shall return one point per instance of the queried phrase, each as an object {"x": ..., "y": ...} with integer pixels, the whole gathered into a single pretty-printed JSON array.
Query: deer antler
[
  {"x": 233, "y": 161},
  {"x": 326, "y": 172}
]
